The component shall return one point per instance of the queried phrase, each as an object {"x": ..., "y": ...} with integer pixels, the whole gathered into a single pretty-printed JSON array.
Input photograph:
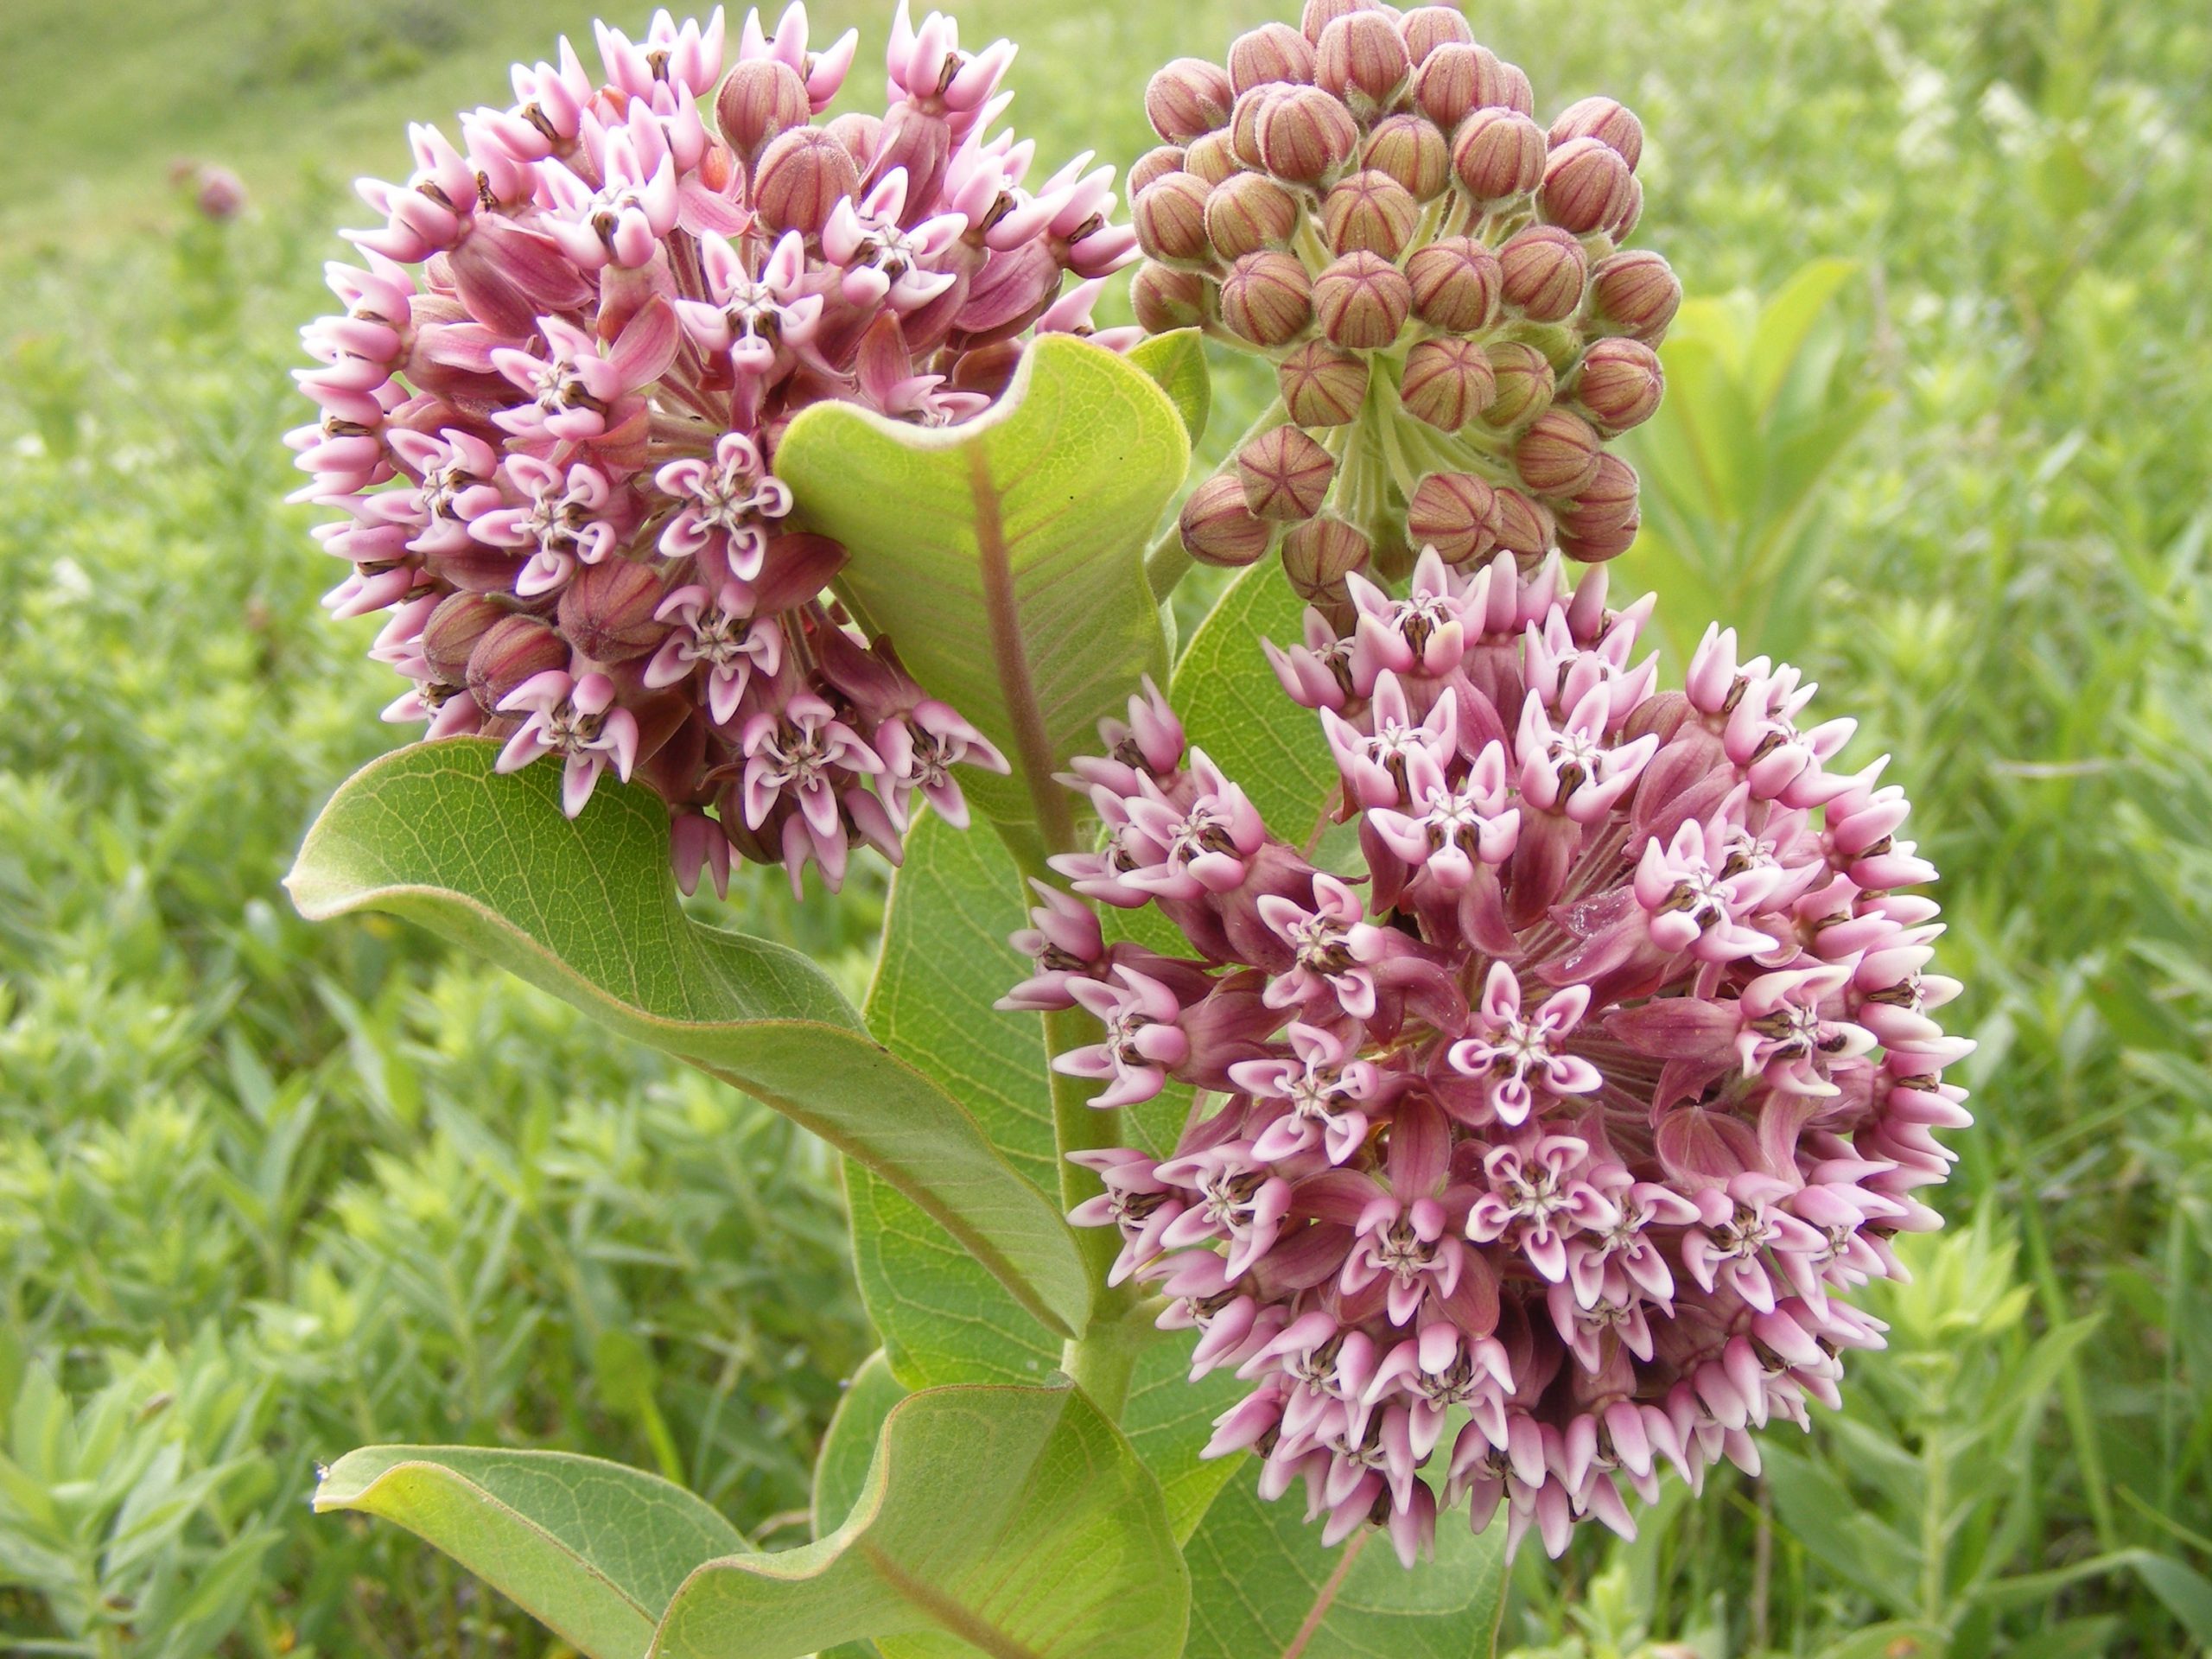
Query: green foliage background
[{"x": 270, "y": 1191}]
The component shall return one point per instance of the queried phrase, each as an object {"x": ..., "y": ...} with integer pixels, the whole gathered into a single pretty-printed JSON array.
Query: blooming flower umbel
[
  {"x": 1582, "y": 1096},
  {"x": 551, "y": 402}
]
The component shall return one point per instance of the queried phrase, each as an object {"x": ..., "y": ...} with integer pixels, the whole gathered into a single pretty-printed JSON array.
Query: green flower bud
[
  {"x": 1188, "y": 99},
  {"x": 1318, "y": 555},
  {"x": 1525, "y": 384},
  {"x": 1169, "y": 215},
  {"x": 1165, "y": 298},
  {"x": 757, "y": 100},
  {"x": 1249, "y": 212},
  {"x": 1456, "y": 513},
  {"x": 1586, "y": 185},
  {"x": 509, "y": 652},
  {"x": 1362, "y": 302},
  {"x": 1267, "y": 299},
  {"x": 1371, "y": 211},
  {"x": 1542, "y": 270},
  {"x": 1426, "y": 27},
  {"x": 1219, "y": 529},
  {"x": 1305, "y": 136},
  {"x": 803, "y": 175},
  {"x": 1636, "y": 292},
  {"x": 1362, "y": 59},
  {"x": 1602, "y": 119},
  {"x": 1410, "y": 150},
  {"x": 1523, "y": 526},
  {"x": 1455, "y": 283},
  {"x": 1497, "y": 154},
  {"x": 1322, "y": 385},
  {"x": 1618, "y": 384},
  {"x": 1558, "y": 454},
  {"x": 1286, "y": 474},
  {"x": 1212, "y": 159},
  {"x": 1446, "y": 382},
  {"x": 1272, "y": 53},
  {"x": 1155, "y": 164}
]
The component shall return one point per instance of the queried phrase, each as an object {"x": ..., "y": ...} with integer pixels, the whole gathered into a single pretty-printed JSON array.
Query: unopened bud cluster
[
  {"x": 1564, "y": 1116},
  {"x": 1368, "y": 202},
  {"x": 552, "y": 402}
]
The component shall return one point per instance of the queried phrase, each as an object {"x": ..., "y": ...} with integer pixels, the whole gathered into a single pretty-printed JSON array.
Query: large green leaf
[
  {"x": 1262, "y": 1585},
  {"x": 1005, "y": 557},
  {"x": 1235, "y": 709},
  {"x": 592, "y": 1549},
  {"x": 586, "y": 909},
  {"x": 1014, "y": 1523},
  {"x": 1178, "y": 361}
]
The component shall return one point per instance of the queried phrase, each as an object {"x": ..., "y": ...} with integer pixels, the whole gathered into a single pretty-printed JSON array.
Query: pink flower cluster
[
  {"x": 1581, "y": 1107},
  {"x": 551, "y": 404}
]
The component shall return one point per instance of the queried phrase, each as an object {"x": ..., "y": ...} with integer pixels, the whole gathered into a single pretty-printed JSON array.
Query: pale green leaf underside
[
  {"x": 1013, "y": 1523},
  {"x": 586, "y": 909},
  {"x": 1260, "y": 1579},
  {"x": 1005, "y": 556},
  {"x": 592, "y": 1549},
  {"x": 1178, "y": 362},
  {"x": 841, "y": 1467}
]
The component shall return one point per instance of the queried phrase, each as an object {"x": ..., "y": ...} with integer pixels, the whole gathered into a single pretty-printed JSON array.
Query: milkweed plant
[{"x": 1402, "y": 1064}]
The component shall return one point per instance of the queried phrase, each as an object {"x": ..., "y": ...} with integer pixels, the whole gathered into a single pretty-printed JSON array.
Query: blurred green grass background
[{"x": 1938, "y": 427}]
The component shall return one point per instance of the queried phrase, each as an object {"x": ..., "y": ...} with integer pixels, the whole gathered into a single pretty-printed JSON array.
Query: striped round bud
[
  {"x": 1212, "y": 159},
  {"x": 1249, "y": 212},
  {"x": 1362, "y": 302},
  {"x": 1446, "y": 382},
  {"x": 1318, "y": 555},
  {"x": 1409, "y": 149},
  {"x": 1558, "y": 454},
  {"x": 1322, "y": 385},
  {"x": 1586, "y": 185},
  {"x": 1372, "y": 211},
  {"x": 803, "y": 175},
  {"x": 1156, "y": 164},
  {"x": 1601, "y": 118},
  {"x": 1243, "y": 130},
  {"x": 1169, "y": 215},
  {"x": 1542, "y": 270},
  {"x": 1523, "y": 526},
  {"x": 1217, "y": 527},
  {"x": 1362, "y": 59},
  {"x": 1637, "y": 292},
  {"x": 1286, "y": 474},
  {"x": 1165, "y": 298},
  {"x": 757, "y": 100},
  {"x": 509, "y": 652},
  {"x": 1498, "y": 155},
  {"x": 1601, "y": 523},
  {"x": 1618, "y": 384},
  {"x": 1630, "y": 210},
  {"x": 1456, "y": 513},
  {"x": 1426, "y": 27},
  {"x": 1458, "y": 79},
  {"x": 1314, "y": 20},
  {"x": 607, "y": 611},
  {"x": 859, "y": 133},
  {"x": 450, "y": 636},
  {"x": 1269, "y": 54},
  {"x": 1455, "y": 283},
  {"x": 1188, "y": 99},
  {"x": 1267, "y": 299},
  {"x": 1524, "y": 383},
  {"x": 1304, "y": 135},
  {"x": 1514, "y": 92}
]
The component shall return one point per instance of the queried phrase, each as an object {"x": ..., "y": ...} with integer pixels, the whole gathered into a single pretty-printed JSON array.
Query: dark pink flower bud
[
  {"x": 1498, "y": 155},
  {"x": 1272, "y": 53},
  {"x": 1455, "y": 283},
  {"x": 511, "y": 651},
  {"x": 1586, "y": 185},
  {"x": 1318, "y": 555},
  {"x": 1155, "y": 164},
  {"x": 1187, "y": 99},
  {"x": 608, "y": 611},
  {"x": 1543, "y": 271},
  {"x": 1216, "y": 526},
  {"x": 450, "y": 636},
  {"x": 1362, "y": 302},
  {"x": 1314, "y": 20},
  {"x": 1618, "y": 384},
  {"x": 1267, "y": 299},
  {"x": 1371, "y": 211},
  {"x": 1636, "y": 292},
  {"x": 1558, "y": 454},
  {"x": 1426, "y": 27},
  {"x": 759, "y": 99},
  {"x": 1212, "y": 159},
  {"x": 1362, "y": 59},
  {"x": 1248, "y": 211},
  {"x": 1166, "y": 299},
  {"x": 1409, "y": 149},
  {"x": 802, "y": 177},
  {"x": 1524, "y": 383},
  {"x": 1322, "y": 385},
  {"x": 1601, "y": 118},
  {"x": 1286, "y": 474},
  {"x": 1456, "y": 513},
  {"x": 1304, "y": 135},
  {"x": 1446, "y": 382},
  {"x": 1523, "y": 526},
  {"x": 1170, "y": 216}
]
